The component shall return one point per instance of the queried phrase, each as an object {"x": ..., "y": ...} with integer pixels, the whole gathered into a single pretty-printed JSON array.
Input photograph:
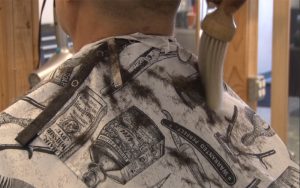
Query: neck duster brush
[{"x": 218, "y": 29}]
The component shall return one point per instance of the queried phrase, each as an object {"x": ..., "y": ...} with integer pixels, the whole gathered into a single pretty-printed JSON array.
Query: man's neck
[{"x": 91, "y": 30}]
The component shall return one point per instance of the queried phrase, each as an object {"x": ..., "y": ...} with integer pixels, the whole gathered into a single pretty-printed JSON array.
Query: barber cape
[{"x": 138, "y": 118}]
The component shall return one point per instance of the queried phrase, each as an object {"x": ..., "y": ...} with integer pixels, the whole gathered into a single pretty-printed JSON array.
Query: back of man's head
[{"x": 89, "y": 20}]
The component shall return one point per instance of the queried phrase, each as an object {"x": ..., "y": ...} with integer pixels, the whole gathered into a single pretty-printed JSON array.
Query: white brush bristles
[{"x": 211, "y": 61}]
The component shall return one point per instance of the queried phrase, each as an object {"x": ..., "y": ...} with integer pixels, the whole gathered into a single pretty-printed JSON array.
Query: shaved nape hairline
[
  {"x": 163, "y": 6},
  {"x": 128, "y": 8}
]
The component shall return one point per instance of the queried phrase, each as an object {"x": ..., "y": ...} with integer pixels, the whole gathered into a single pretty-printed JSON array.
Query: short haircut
[
  {"x": 161, "y": 6},
  {"x": 128, "y": 8}
]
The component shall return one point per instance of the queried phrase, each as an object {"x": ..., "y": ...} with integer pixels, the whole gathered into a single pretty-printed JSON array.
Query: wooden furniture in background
[
  {"x": 280, "y": 67},
  {"x": 242, "y": 54},
  {"x": 18, "y": 47}
]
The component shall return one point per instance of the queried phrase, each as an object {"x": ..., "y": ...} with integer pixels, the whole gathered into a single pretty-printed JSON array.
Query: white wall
[
  {"x": 265, "y": 36},
  {"x": 48, "y": 12}
]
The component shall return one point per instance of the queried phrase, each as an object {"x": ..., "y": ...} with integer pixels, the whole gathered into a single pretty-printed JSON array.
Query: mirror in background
[
  {"x": 186, "y": 19},
  {"x": 294, "y": 81},
  {"x": 55, "y": 45}
]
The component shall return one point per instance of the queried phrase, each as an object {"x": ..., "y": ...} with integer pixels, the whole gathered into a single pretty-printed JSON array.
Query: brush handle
[
  {"x": 220, "y": 24},
  {"x": 219, "y": 28}
]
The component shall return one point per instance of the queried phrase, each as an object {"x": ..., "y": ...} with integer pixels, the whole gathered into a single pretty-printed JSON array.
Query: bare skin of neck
[{"x": 91, "y": 28}]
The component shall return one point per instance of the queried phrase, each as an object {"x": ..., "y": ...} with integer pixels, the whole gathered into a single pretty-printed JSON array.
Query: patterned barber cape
[{"x": 154, "y": 130}]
